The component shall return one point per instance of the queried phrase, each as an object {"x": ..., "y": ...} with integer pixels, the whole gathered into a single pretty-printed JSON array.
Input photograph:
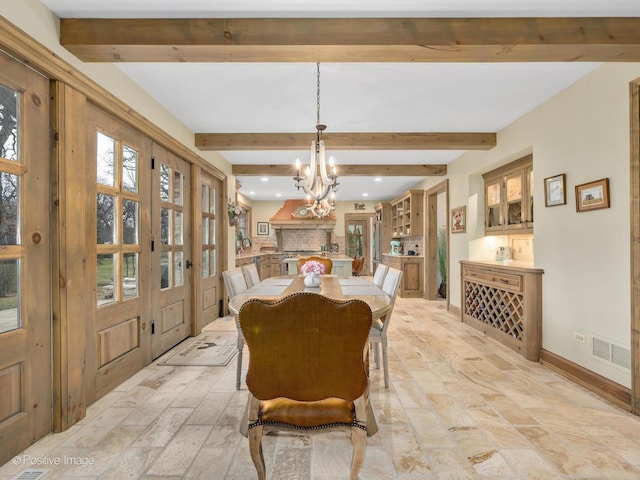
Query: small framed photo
[
  {"x": 459, "y": 219},
  {"x": 555, "y": 190},
  {"x": 593, "y": 195},
  {"x": 263, "y": 228}
]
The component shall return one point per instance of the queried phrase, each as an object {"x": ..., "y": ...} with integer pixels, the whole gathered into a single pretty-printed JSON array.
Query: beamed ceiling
[{"x": 402, "y": 95}]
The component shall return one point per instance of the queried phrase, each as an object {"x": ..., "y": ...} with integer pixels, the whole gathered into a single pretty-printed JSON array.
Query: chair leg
[
  {"x": 359, "y": 441},
  {"x": 239, "y": 364},
  {"x": 385, "y": 362},
  {"x": 255, "y": 448},
  {"x": 376, "y": 354}
]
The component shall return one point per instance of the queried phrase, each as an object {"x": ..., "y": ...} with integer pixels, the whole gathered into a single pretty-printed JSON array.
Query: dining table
[{"x": 332, "y": 286}]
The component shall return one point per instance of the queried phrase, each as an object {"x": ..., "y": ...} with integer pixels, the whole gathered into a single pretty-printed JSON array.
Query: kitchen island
[{"x": 341, "y": 264}]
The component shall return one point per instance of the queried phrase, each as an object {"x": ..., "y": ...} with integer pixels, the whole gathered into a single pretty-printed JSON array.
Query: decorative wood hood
[{"x": 293, "y": 215}]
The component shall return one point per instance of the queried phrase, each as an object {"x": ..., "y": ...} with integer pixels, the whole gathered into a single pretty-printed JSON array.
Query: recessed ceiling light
[
  {"x": 251, "y": 193},
  {"x": 365, "y": 194},
  {"x": 278, "y": 194},
  {"x": 264, "y": 179},
  {"x": 377, "y": 179}
]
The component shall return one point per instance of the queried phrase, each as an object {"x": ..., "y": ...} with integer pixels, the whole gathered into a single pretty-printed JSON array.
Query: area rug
[{"x": 210, "y": 348}]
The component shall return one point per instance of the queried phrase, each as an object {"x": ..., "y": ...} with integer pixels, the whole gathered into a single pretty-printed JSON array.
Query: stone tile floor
[{"x": 460, "y": 406}]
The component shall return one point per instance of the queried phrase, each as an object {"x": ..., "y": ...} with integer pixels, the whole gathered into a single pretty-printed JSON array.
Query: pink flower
[{"x": 312, "y": 266}]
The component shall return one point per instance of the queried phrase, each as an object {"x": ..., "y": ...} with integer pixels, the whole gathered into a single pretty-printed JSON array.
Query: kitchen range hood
[{"x": 294, "y": 215}]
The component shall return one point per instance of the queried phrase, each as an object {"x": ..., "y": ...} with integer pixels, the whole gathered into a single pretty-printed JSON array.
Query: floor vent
[
  {"x": 611, "y": 353},
  {"x": 31, "y": 474}
]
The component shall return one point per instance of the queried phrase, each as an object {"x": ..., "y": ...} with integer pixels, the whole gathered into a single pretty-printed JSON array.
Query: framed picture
[
  {"x": 263, "y": 228},
  {"x": 593, "y": 195},
  {"x": 555, "y": 190},
  {"x": 459, "y": 219}
]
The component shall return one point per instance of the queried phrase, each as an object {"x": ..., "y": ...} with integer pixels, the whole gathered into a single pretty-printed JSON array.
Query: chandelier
[{"x": 320, "y": 181}]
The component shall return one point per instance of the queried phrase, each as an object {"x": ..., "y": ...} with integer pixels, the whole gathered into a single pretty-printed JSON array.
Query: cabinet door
[
  {"x": 493, "y": 199},
  {"x": 514, "y": 190},
  {"x": 529, "y": 203}
]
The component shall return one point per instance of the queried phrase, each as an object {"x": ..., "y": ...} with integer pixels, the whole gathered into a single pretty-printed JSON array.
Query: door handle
[{"x": 189, "y": 264}]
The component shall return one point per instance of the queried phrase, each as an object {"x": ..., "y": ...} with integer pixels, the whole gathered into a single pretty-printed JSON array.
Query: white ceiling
[{"x": 355, "y": 97}]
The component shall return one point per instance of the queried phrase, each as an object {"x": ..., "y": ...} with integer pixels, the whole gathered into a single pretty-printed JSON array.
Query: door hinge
[
  {"x": 153, "y": 328},
  {"x": 153, "y": 245},
  {"x": 153, "y": 163}
]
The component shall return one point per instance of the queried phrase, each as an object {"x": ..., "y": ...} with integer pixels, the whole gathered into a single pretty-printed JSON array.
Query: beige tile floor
[{"x": 460, "y": 406}]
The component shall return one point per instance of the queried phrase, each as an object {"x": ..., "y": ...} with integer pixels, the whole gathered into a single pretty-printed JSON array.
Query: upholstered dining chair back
[
  {"x": 357, "y": 266},
  {"x": 378, "y": 276},
  {"x": 307, "y": 369},
  {"x": 251, "y": 274},
  {"x": 234, "y": 282},
  {"x": 391, "y": 282},
  {"x": 327, "y": 262}
]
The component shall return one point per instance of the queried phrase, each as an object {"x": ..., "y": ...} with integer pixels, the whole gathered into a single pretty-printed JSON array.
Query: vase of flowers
[
  {"x": 234, "y": 211},
  {"x": 312, "y": 271},
  {"x": 312, "y": 280}
]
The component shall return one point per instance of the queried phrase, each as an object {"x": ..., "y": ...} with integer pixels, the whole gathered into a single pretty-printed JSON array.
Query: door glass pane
[
  {"x": 129, "y": 169},
  {"x": 205, "y": 198},
  {"x": 178, "y": 188},
  {"x": 212, "y": 232},
  {"x": 493, "y": 194},
  {"x": 212, "y": 263},
  {"x": 165, "y": 270},
  {"x": 9, "y": 115},
  {"x": 105, "y": 275},
  {"x": 493, "y": 217},
  {"x": 205, "y": 263},
  {"x": 178, "y": 228},
  {"x": 9, "y": 297},
  {"x": 205, "y": 231},
  {"x": 129, "y": 222},
  {"x": 178, "y": 275},
  {"x": 212, "y": 200},
  {"x": 106, "y": 151},
  {"x": 105, "y": 213},
  {"x": 130, "y": 275},
  {"x": 165, "y": 226},
  {"x": 164, "y": 183},
  {"x": 9, "y": 205}
]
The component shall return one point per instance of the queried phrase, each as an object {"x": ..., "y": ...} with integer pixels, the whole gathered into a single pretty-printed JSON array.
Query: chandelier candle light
[{"x": 319, "y": 181}]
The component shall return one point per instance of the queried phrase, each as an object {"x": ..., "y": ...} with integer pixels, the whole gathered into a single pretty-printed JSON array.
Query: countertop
[
  {"x": 402, "y": 256},
  {"x": 334, "y": 256},
  {"x": 514, "y": 264}
]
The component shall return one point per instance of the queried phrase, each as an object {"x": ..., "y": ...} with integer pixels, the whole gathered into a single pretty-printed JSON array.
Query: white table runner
[
  {"x": 355, "y": 290},
  {"x": 354, "y": 281},
  {"x": 276, "y": 281}
]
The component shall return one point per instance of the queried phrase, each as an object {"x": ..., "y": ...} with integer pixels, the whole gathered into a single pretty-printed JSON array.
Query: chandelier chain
[{"x": 318, "y": 93}]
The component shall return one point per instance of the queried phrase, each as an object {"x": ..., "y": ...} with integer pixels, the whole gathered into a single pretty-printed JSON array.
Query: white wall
[{"x": 584, "y": 133}]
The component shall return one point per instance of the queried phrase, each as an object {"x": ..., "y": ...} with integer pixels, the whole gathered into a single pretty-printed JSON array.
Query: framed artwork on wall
[
  {"x": 555, "y": 190},
  {"x": 459, "y": 219},
  {"x": 263, "y": 228},
  {"x": 593, "y": 195}
]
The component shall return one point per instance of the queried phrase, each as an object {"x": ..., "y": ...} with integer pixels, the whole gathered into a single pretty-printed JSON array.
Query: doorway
[
  {"x": 358, "y": 231},
  {"x": 437, "y": 242},
  {"x": 25, "y": 272}
]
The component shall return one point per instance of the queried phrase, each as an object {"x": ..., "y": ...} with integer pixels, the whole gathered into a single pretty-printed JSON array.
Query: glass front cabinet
[{"x": 509, "y": 198}]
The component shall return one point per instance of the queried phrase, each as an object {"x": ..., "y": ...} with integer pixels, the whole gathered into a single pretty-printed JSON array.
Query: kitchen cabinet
[
  {"x": 407, "y": 217},
  {"x": 412, "y": 267},
  {"x": 508, "y": 197},
  {"x": 505, "y": 303},
  {"x": 275, "y": 264}
]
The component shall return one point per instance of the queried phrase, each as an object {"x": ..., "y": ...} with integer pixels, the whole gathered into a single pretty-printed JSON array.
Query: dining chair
[
  {"x": 357, "y": 266},
  {"x": 251, "y": 274},
  {"x": 378, "y": 276},
  {"x": 327, "y": 262},
  {"x": 307, "y": 369},
  {"x": 378, "y": 333},
  {"x": 235, "y": 283}
]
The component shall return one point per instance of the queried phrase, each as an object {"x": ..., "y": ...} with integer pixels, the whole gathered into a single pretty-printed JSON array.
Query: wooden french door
[
  {"x": 210, "y": 225},
  {"x": 358, "y": 229},
  {"x": 25, "y": 272},
  {"x": 120, "y": 158},
  {"x": 171, "y": 255}
]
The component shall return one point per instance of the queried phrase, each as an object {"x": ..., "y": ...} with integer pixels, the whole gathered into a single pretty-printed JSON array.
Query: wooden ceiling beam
[
  {"x": 345, "y": 170},
  {"x": 346, "y": 141},
  {"x": 592, "y": 39}
]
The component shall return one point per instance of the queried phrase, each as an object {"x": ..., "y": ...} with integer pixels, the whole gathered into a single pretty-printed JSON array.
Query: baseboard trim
[{"x": 614, "y": 392}]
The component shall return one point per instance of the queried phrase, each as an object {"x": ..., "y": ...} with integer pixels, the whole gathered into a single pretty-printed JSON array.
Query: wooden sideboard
[{"x": 505, "y": 303}]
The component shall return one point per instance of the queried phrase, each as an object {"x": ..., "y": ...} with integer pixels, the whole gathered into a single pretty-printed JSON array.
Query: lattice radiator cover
[{"x": 497, "y": 308}]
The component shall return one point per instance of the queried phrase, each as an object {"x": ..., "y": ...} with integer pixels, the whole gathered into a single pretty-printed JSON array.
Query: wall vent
[
  {"x": 611, "y": 352},
  {"x": 31, "y": 474}
]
